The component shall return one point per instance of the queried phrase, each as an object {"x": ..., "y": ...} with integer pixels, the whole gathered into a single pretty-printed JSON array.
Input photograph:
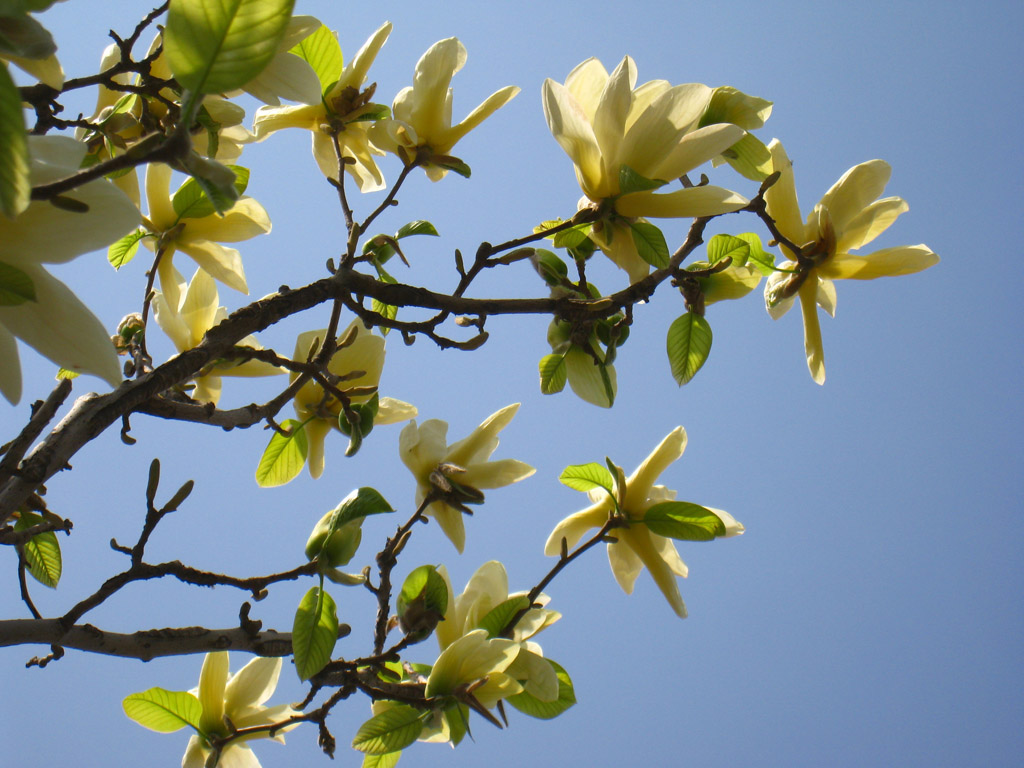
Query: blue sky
[{"x": 871, "y": 614}]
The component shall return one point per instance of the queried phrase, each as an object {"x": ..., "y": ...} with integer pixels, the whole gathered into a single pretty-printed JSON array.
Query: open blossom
[
  {"x": 605, "y": 122},
  {"x": 198, "y": 311},
  {"x": 636, "y": 546},
  {"x": 425, "y": 451},
  {"x": 319, "y": 411},
  {"x": 487, "y": 589},
  {"x": 199, "y": 238},
  {"x": 239, "y": 699},
  {"x": 848, "y": 217},
  {"x": 476, "y": 659},
  {"x": 55, "y": 322},
  {"x": 421, "y": 129},
  {"x": 343, "y": 111}
]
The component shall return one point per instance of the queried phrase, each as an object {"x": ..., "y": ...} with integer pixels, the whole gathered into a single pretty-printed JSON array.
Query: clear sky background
[{"x": 872, "y": 612}]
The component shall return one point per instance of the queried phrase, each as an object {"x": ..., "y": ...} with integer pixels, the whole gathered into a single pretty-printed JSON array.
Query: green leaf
[
  {"x": 42, "y": 551},
  {"x": 193, "y": 201},
  {"x": 64, "y": 373},
  {"x": 688, "y": 344},
  {"x": 553, "y": 374},
  {"x": 321, "y": 51},
  {"x": 500, "y": 615},
  {"x": 164, "y": 711},
  {"x": 419, "y": 227},
  {"x": 650, "y": 243},
  {"x": 551, "y": 268},
  {"x": 592, "y": 382},
  {"x": 572, "y": 237},
  {"x": 763, "y": 260},
  {"x": 423, "y": 602},
  {"x": 15, "y": 187},
  {"x": 530, "y": 705},
  {"x": 16, "y": 287},
  {"x": 457, "y": 717},
  {"x": 213, "y": 47},
  {"x": 393, "y": 729},
  {"x": 387, "y": 760},
  {"x": 631, "y": 181},
  {"x": 122, "y": 251},
  {"x": 314, "y": 632},
  {"x": 587, "y": 477},
  {"x": 360, "y": 503},
  {"x": 726, "y": 246},
  {"x": 683, "y": 520},
  {"x": 750, "y": 157},
  {"x": 284, "y": 457},
  {"x": 21, "y": 35}
]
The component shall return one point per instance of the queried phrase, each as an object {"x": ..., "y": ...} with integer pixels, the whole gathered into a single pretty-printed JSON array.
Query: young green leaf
[
  {"x": 387, "y": 760},
  {"x": 422, "y": 602},
  {"x": 122, "y": 251},
  {"x": 454, "y": 164},
  {"x": 220, "y": 46},
  {"x": 726, "y": 246},
  {"x": 587, "y": 477},
  {"x": 314, "y": 632},
  {"x": 193, "y": 200},
  {"x": 553, "y": 374},
  {"x": 650, "y": 243},
  {"x": 16, "y": 287},
  {"x": 688, "y": 344},
  {"x": 419, "y": 227},
  {"x": 593, "y": 382},
  {"x": 545, "y": 710},
  {"x": 164, "y": 711},
  {"x": 572, "y": 237},
  {"x": 42, "y": 551},
  {"x": 393, "y": 729},
  {"x": 284, "y": 457},
  {"x": 321, "y": 51},
  {"x": 551, "y": 268},
  {"x": 15, "y": 187},
  {"x": 500, "y": 615},
  {"x": 750, "y": 157},
  {"x": 631, "y": 181},
  {"x": 684, "y": 521},
  {"x": 763, "y": 260}
]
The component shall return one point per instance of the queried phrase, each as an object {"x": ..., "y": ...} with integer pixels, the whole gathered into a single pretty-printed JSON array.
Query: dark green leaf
[
  {"x": 422, "y": 603},
  {"x": 393, "y": 729},
  {"x": 688, "y": 344},
  {"x": 551, "y": 268},
  {"x": 314, "y": 632},
  {"x": 451, "y": 164},
  {"x": 284, "y": 457},
  {"x": 650, "y": 243},
  {"x": 164, "y": 711},
  {"x": 16, "y": 287},
  {"x": 122, "y": 251},
  {"x": 23, "y": 36},
  {"x": 684, "y": 521},
  {"x": 587, "y": 477},
  {"x": 545, "y": 710}
]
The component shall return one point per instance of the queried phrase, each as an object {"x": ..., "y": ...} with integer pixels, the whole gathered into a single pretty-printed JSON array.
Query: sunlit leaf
[
  {"x": 213, "y": 47},
  {"x": 684, "y": 521},
  {"x": 321, "y": 51},
  {"x": 728, "y": 247},
  {"x": 631, "y": 181},
  {"x": 545, "y": 710},
  {"x": 553, "y": 374},
  {"x": 15, "y": 187},
  {"x": 314, "y": 632},
  {"x": 284, "y": 457},
  {"x": 42, "y": 551},
  {"x": 122, "y": 251},
  {"x": 587, "y": 477},
  {"x": 162, "y": 710},
  {"x": 393, "y": 729},
  {"x": 650, "y": 243},
  {"x": 419, "y": 227},
  {"x": 688, "y": 345},
  {"x": 500, "y": 615},
  {"x": 192, "y": 201}
]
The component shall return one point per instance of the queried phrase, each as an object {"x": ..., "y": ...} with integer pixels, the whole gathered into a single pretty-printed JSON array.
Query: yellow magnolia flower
[
  {"x": 605, "y": 122},
  {"x": 319, "y": 411},
  {"x": 636, "y": 545},
  {"x": 199, "y": 238},
  {"x": 425, "y": 451},
  {"x": 197, "y": 312},
  {"x": 240, "y": 700},
  {"x": 56, "y": 323},
  {"x": 421, "y": 130},
  {"x": 478, "y": 662},
  {"x": 848, "y": 217},
  {"x": 487, "y": 589},
  {"x": 344, "y": 108}
]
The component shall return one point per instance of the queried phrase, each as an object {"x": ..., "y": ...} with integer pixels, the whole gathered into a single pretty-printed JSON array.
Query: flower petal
[
  {"x": 212, "y": 681},
  {"x": 253, "y": 684},
  {"x": 483, "y": 440},
  {"x": 812, "y": 331},
  {"x": 488, "y": 107},
  {"x": 870, "y": 223},
  {"x": 391, "y": 411},
  {"x": 575, "y": 525},
  {"x": 246, "y": 219},
  {"x": 625, "y": 563},
  {"x": 683, "y": 203},
  {"x": 888, "y": 262},
  {"x": 450, "y": 521},
  {"x": 568, "y": 123},
  {"x": 222, "y": 263},
  {"x": 496, "y": 474},
  {"x": 639, "y": 484},
  {"x": 695, "y": 149},
  {"x": 855, "y": 189},
  {"x": 781, "y": 198}
]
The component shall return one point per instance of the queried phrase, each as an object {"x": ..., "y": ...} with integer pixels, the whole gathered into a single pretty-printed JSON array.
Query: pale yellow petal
[
  {"x": 812, "y": 331},
  {"x": 639, "y": 484},
  {"x": 655, "y": 146},
  {"x": 483, "y": 440},
  {"x": 870, "y": 223},
  {"x": 569, "y": 125},
  {"x": 431, "y": 79},
  {"x": 496, "y": 474},
  {"x": 683, "y": 203},
  {"x": 586, "y": 83},
  {"x": 253, "y": 684},
  {"x": 355, "y": 73},
  {"x": 888, "y": 262},
  {"x": 641, "y": 541},
  {"x": 222, "y": 263},
  {"x": 450, "y": 521},
  {"x": 246, "y": 219},
  {"x": 391, "y": 411},
  {"x": 422, "y": 447},
  {"x": 576, "y": 525},
  {"x": 158, "y": 196},
  {"x": 316, "y": 433},
  {"x": 625, "y": 563},
  {"x": 781, "y": 198},
  {"x": 694, "y": 149},
  {"x": 826, "y": 297},
  {"x": 490, "y": 105},
  {"x": 268, "y": 120},
  {"x": 609, "y": 120},
  {"x": 855, "y": 189},
  {"x": 212, "y": 681}
]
